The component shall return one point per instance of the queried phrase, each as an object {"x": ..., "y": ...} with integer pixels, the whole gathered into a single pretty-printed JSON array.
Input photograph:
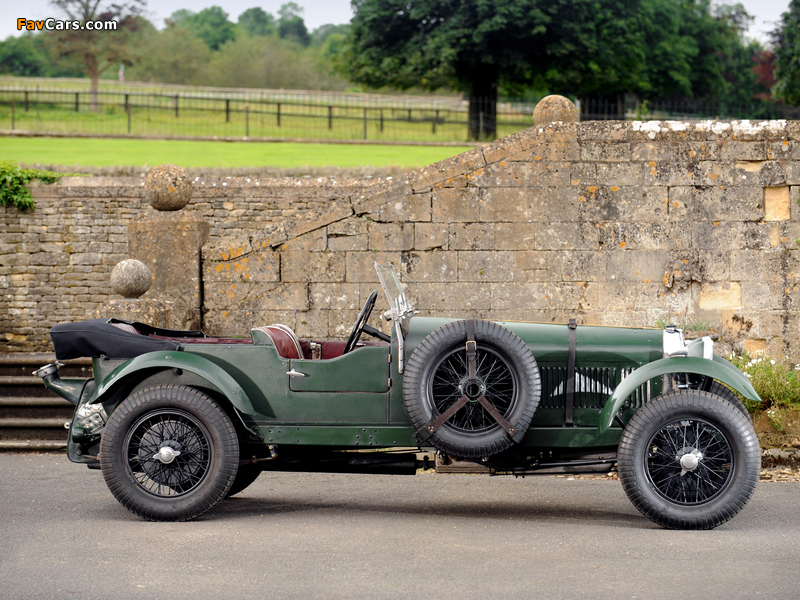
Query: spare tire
[{"x": 506, "y": 378}]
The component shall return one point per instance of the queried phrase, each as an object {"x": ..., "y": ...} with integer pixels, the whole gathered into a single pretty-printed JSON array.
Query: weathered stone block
[
  {"x": 471, "y": 236},
  {"x": 567, "y": 236},
  {"x": 643, "y": 265},
  {"x": 455, "y": 204},
  {"x": 430, "y": 236},
  {"x": 360, "y": 265},
  {"x": 537, "y": 266},
  {"x": 316, "y": 240},
  {"x": 348, "y": 234},
  {"x": 413, "y": 207},
  {"x": 430, "y": 266},
  {"x": 513, "y": 236},
  {"x": 614, "y": 203},
  {"x": 721, "y": 295},
  {"x": 756, "y": 265},
  {"x": 559, "y": 151},
  {"x": 486, "y": 266},
  {"x": 509, "y": 174},
  {"x": 755, "y": 295},
  {"x": 605, "y": 152},
  {"x": 734, "y": 150},
  {"x": 391, "y": 236},
  {"x": 143, "y": 310},
  {"x": 738, "y": 203},
  {"x": 776, "y": 203},
  {"x": 312, "y": 266}
]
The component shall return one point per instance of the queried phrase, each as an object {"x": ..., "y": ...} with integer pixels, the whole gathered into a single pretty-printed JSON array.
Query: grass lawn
[{"x": 97, "y": 152}]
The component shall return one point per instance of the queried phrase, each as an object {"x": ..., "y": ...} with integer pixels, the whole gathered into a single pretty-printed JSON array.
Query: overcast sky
[{"x": 317, "y": 12}]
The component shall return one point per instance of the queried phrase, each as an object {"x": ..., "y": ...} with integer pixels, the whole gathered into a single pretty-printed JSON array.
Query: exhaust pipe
[{"x": 69, "y": 389}]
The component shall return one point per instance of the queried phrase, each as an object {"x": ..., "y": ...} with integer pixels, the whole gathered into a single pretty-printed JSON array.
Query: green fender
[
  {"x": 198, "y": 365},
  {"x": 718, "y": 368}
]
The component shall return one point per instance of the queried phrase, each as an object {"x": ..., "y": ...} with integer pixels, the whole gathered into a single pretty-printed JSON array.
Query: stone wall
[
  {"x": 55, "y": 262},
  {"x": 611, "y": 223}
]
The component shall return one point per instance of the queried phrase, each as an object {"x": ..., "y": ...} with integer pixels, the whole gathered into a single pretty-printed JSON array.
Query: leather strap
[{"x": 569, "y": 400}]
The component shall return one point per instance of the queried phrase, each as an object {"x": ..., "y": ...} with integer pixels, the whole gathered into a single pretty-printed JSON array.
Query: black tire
[
  {"x": 717, "y": 389},
  {"x": 689, "y": 460},
  {"x": 169, "y": 453},
  {"x": 508, "y": 376},
  {"x": 245, "y": 477}
]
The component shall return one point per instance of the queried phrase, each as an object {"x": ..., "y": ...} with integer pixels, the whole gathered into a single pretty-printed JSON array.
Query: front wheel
[
  {"x": 689, "y": 460},
  {"x": 169, "y": 453}
]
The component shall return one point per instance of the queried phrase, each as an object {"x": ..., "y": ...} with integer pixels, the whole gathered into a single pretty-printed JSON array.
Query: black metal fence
[
  {"x": 257, "y": 114},
  {"x": 318, "y": 115},
  {"x": 601, "y": 109}
]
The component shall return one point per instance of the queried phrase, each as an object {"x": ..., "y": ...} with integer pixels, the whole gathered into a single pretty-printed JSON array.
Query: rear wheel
[
  {"x": 169, "y": 453},
  {"x": 689, "y": 460}
]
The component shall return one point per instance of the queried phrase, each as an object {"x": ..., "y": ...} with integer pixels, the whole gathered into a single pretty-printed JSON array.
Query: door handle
[{"x": 294, "y": 373}]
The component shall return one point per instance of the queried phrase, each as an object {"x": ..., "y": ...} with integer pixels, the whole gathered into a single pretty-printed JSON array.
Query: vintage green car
[{"x": 178, "y": 421}]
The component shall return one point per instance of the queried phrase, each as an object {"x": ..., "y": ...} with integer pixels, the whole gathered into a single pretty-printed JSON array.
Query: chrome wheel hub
[{"x": 166, "y": 455}]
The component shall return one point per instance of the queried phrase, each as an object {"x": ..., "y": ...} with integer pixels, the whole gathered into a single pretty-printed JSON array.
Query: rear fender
[
  {"x": 718, "y": 369},
  {"x": 202, "y": 367}
]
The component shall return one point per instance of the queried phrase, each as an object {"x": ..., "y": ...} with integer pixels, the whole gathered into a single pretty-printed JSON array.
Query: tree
[
  {"x": 173, "y": 55},
  {"x": 575, "y": 46},
  {"x": 256, "y": 21},
  {"x": 787, "y": 56},
  {"x": 211, "y": 25},
  {"x": 22, "y": 56},
  {"x": 291, "y": 24},
  {"x": 99, "y": 49}
]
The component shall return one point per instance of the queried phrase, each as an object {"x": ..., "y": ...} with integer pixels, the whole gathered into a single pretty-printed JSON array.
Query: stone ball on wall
[
  {"x": 168, "y": 187},
  {"x": 551, "y": 109},
  {"x": 131, "y": 278}
]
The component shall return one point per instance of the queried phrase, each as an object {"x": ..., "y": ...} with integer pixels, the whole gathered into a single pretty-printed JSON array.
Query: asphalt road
[{"x": 365, "y": 536}]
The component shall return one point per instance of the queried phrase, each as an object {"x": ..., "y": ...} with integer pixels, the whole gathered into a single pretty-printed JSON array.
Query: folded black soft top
[{"x": 101, "y": 337}]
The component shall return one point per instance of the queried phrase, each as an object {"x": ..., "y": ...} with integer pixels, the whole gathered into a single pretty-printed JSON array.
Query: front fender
[
  {"x": 198, "y": 365},
  {"x": 718, "y": 368}
]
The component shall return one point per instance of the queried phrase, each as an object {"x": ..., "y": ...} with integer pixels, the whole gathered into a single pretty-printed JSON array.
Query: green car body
[{"x": 321, "y": 413}]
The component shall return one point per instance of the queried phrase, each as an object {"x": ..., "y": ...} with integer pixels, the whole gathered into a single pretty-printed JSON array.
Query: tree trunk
[
  {"x": 483, "y": 109},
  {"x": 95, "y": 106}
]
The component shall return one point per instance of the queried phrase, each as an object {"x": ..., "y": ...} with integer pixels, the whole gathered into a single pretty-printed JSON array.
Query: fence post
[
  {"x": 77, "y": 101},
  {"x": 436, "y": 118},
  {"x": 176, "y": 106},
  {"x": 278, "y": 112},
  {"x": 13, "y": 102},
  {"x": 246, "y": 120},
  {"x": 480, "y": 126},
  {"x": 128, "y": 112},
  {"x": 26, "y": 100},
  {"x": 381, "y": 120},
  {"x": 365, "y": 123},
  {"x": 227, "y": 110},
  {"x": 330, "y": 117}
]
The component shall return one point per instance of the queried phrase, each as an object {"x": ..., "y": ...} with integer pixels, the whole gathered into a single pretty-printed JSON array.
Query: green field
[{"x": 88, "y": 152}]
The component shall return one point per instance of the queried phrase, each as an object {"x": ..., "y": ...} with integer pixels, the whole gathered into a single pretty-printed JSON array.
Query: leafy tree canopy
[
  {"x": 787, "y": 56},
  {"x": 291, "y": 24},
  {"x": 210, "y": 24},
  {"x": 256, "y": 21}
]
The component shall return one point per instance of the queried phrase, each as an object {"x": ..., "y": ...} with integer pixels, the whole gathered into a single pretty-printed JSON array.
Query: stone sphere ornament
[
  {"x": 168, "y": 187},
  {"x": 131, "y": 278},
  {"x": 553, "y": 109}
]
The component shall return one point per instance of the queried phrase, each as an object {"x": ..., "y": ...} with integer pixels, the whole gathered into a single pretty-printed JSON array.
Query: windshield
[{"x": 393, "y": 289}]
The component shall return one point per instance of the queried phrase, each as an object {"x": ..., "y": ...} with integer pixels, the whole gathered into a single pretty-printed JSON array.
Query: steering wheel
[{"x": 362, "y": 327}]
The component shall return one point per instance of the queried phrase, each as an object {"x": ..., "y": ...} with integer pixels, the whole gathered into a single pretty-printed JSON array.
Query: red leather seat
[{"x": 285, "y": 340}]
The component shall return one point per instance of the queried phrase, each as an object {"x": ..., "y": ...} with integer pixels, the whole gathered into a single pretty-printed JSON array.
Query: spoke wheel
[
  {"x": 494, "y": 380},
  {"x": 689, "y": 460},
  {"x": 475, "y": 410},
  {"x": 169, "y": 453}
]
